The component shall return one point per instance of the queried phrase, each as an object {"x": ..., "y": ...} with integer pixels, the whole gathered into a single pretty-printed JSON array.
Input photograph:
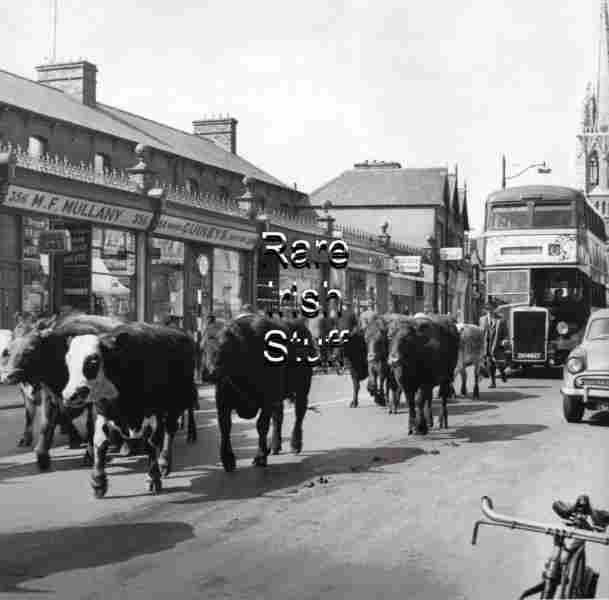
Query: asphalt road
[{"x": 391, "y": 516}]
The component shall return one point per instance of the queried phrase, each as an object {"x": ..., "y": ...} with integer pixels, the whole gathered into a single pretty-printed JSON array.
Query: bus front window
[{"x": 509, "y": 217}]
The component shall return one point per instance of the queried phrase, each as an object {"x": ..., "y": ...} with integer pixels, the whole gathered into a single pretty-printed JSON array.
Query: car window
[{"x": 599, "y": 328}]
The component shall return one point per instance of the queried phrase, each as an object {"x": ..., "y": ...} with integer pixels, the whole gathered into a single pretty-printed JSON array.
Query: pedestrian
[{"x": 495, "y": 331}]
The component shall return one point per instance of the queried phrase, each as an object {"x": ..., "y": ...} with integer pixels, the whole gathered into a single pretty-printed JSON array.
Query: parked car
[{"x": 586, "y": 371}]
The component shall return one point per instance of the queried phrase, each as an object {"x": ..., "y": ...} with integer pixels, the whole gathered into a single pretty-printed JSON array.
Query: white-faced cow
[
  {"x": 423, "y": 354},
  {"x": 37, "y": 358},
  {"x": 471, "y": 353},
  {"x": 138, "y": 375}
]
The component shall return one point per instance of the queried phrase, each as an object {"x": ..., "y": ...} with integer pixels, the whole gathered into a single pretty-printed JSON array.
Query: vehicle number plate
[{"x": 528, "y": 355}]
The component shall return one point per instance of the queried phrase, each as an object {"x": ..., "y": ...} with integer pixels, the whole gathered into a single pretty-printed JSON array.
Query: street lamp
[
  {"x": 327, "y": 220},
  {"x": 435, "y": 260},
  {"x": 542, "y": 168}
]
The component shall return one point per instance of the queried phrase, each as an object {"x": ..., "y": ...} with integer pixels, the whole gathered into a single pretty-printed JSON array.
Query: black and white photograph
[{"x": 304, "y": 301}]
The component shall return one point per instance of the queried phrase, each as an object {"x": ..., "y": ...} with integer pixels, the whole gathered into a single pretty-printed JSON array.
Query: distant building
[{"x": 418, "y": 204}]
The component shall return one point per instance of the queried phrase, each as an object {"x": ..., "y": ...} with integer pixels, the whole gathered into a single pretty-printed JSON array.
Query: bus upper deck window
[
  {"x": 509, "y": 217},
  {"x": 553, "y": 215}
]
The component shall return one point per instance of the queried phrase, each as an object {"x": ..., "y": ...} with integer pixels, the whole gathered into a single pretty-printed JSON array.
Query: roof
[
  {"x": 44, "y": 100},
  {"x": 551, "y": 192},
  {"x": 383, "y": 186}
]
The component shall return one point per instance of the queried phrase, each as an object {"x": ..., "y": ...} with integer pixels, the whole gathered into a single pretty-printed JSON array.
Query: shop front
[
  {"x": 95, "y": 274},
  {"x": 403, "y": 294},
  {"x": 366, "y": 282},
  {"x": 198, "y": 269}
]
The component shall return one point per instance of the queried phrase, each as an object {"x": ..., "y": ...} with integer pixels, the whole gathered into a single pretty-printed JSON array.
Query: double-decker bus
[{"x": 545, "y": 263}]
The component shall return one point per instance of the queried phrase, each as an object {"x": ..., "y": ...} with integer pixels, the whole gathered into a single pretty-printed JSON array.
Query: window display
[
  {"x": 36, "y": 275},
  {"x": 229, "y": 282},
  {"x": 168, "y": 282}
]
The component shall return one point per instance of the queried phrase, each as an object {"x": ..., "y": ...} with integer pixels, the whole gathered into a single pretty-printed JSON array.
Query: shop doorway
[
  {"x": 199, "y": 298},
  {"x": 10, "y": 266}
]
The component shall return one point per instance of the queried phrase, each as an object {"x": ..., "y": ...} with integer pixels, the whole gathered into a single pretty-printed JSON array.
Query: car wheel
[{"x": 573, "y": 409}]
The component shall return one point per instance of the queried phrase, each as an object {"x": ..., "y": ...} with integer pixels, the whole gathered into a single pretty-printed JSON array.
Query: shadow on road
[
  {"x": 30, "y": 555},
  {"x": 506, "y": 432},
  {"x": 252, "y": 481}
]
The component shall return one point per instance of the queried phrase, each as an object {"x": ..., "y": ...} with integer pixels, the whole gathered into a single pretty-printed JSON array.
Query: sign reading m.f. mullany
[{"x": 75, "y": 208}]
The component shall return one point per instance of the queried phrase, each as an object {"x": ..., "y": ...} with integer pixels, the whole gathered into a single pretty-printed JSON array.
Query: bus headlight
[
  {"x": 562, "y": 328},
  {"x": 575, "y": 365}
]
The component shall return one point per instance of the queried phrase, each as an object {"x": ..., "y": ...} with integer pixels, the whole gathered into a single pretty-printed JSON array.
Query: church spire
[{"x": 602, "y": 92}]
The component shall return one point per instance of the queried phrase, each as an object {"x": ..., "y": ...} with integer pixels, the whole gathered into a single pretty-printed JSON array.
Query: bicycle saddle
[{"x": 582, "y": 506}]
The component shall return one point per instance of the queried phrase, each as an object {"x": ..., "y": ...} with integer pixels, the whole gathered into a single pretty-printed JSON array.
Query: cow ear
[{"x": 69, "y": 340}]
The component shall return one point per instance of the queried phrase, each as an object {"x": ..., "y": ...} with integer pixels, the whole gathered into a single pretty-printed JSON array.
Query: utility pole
[{"x": 54, "y": 33}]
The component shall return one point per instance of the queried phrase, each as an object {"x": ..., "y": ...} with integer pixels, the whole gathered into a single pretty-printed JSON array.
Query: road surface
[{"x": 365, "y": 512}]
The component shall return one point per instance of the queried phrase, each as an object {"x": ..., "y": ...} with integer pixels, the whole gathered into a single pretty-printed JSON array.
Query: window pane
[
  {"x": 509, "y": 217},
  {"x": 36, "y": 283},
  {"x": 168, "y": 282},
  {"x": 552, "y": 215},
  {"x": 229, "y": 282},
  {"x": 502, "y": 282},
  {"x": 598, "y": 328}
]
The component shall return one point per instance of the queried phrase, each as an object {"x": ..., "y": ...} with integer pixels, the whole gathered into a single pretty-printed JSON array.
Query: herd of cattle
[{"x": 136, "y": 381}]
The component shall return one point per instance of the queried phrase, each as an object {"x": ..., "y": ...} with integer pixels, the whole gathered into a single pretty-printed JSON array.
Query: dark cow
[
  {"x": 250, "y": 384},
  {"x": 354, "y": 351},
  {"x": 377, "y": 344},
  {"x": 423, "y": 354},
  {"x": 36, "y": 358},
  {"x": 138, "y": 375}
]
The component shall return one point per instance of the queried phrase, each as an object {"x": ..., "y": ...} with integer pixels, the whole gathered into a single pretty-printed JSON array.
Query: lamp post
[
  {"x": 253, "y": 205},
  {"x": 327, "y": 221},
  {"x": 542, "y": 168},
  {"x": 435, "y": 261},
  {"x": 384, "y": 241}
]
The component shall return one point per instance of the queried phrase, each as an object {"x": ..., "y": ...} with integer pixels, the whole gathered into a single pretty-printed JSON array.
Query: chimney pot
[
  {"x": 221, "y": 130},
  {"x": 77, "y": 78}
]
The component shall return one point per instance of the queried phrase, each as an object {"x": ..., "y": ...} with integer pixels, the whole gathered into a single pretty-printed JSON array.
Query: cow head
[
  {"x": 87, "y": 381},
  {"x": 20, "y": 360},
  {"x": 210, "y": 350},
  {"x": 403, "y": 343}
]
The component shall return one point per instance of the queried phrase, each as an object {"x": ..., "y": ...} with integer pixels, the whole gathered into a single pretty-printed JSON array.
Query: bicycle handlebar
[{"x": 526, "y": 525}]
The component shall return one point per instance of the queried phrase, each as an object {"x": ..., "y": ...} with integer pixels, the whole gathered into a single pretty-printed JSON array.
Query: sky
[{"x": 317, "y": 86}]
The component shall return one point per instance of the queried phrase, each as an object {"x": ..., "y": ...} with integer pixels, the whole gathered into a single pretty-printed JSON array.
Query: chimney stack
[
  {"x": 222, "y": 131},
  {"x": 77, "y": 78}
]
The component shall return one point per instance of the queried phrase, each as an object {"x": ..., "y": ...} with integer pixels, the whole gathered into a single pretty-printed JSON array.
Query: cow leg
[
  {"x": 225, "y": 423},
  {"x": 444, "y": 396},
  {"x": 191, "y": 432},
  {"x": 30, "y": 410},
  {"x": 262, "y": 425},
  {"x": 355, "y": 381},
  {"x": 410, "y": 398},
  {"x": 476, "y": 394},
  {"x": 89, "y": 452},
  {"x": 64, "y": 418},
  {"x": 99, "y": 479},
  {"x": 155, "y": 446},
  {"x": 300, "y": 410},
  {"x": 423, "y": 415},
  {"x": 463, "y": 374},
  {"x": 48, "y": 420},
  {"x": 277, "y": 419},
  {"x": 166, "y": 455}
]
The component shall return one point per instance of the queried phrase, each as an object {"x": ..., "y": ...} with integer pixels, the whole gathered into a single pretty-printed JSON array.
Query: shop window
[
  {"x": 229, "y": 282},
  {"x": 593, "y": 170},
  {"x": 168, "y": 282},
  {"x": 37, "y": 146},
  {"x": 102, "y": 163},
  {"x": 36, "y": 292},
  {"x": 419, "y": 289},
  {"x": 192, "y": 186},
  {"x": 113, "y": 280}
]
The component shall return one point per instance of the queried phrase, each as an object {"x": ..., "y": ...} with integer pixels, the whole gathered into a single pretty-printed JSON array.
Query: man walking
[{"x": 495, "y": 331}]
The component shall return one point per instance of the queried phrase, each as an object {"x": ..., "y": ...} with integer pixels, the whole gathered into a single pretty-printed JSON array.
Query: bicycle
[{"x": 566, "y": 570}]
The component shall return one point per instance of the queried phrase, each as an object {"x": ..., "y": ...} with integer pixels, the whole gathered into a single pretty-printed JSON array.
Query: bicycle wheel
[{"x": 573, "y": 580}]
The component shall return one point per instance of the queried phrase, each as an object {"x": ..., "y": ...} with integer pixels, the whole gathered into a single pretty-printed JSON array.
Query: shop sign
[
  {"x": 408, "y": 264},
  {"x": 54, "y": 241},
  {"x": 531, "y": 249},
  {"x": 203, "y": 232},
  {"x": 451, "y": 253},
  {"x": 363, "y": 260},
  {"x": 75, "y": 208}
]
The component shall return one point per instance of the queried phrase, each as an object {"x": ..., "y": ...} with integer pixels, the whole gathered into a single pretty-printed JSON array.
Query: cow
[
  {"x": 471, "y": 353},
  {"x": 423, "y": 354},
  {"x": 137, "y": 376},
  {"x": 377, "y": 346},
  {"x": 36, "y": 358},
  {"x": 251, "y": 382},
  {"x": 354, "y": 351}
]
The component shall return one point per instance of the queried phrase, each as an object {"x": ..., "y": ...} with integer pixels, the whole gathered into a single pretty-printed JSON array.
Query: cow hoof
[
  {"x": 229, "y": 463},
  {"x": 260, "y": 460},
  {"x": 296, "y": 444},
  {"x": 165, "y": 468},
  {"x": 191, "y": 438},
  {"x": 277, "y": 450},
  {"x": 75, "y": 444},
  {"x": 155, "y": 486},
  {"x": 99, "y": 483},
  {"x": 44, "y": 461},
  {"x": 26, "y": 440},
  {"x": 353, "y": 404},
  {"x": 87, "y": 459}
]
